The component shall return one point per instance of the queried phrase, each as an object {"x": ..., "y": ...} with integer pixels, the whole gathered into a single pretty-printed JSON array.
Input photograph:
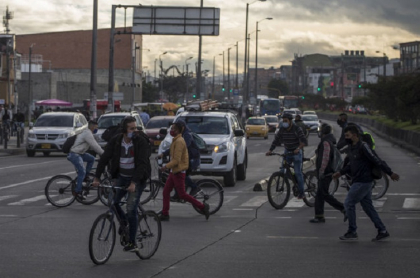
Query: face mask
[
  {"x": 349, "y": 141},
  {"x": 172, "y": 133},
  {"x": 130, "y": 134},
  {"x": 95, "y": 131},
  {"x": 285, "y": 125}
]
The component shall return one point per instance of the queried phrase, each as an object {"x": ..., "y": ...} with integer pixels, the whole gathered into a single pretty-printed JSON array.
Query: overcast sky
[{"x": 298, "y": 26}]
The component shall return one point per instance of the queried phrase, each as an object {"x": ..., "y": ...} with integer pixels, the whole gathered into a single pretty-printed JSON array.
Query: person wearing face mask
[
  {"x": 178, "y": 167},
  {"x": 128, "y": 157},
  {"x": 294, "y": 140},
  {"x": 362, "y": 160},
  {"x": 78, "y": 154}
]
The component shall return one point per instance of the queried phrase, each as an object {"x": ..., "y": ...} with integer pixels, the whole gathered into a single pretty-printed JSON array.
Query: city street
[{"x": 246, "y": 238}]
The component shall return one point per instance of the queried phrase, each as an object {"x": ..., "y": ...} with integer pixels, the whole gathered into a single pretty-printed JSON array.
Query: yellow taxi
[{"x": 256, "y": 127}]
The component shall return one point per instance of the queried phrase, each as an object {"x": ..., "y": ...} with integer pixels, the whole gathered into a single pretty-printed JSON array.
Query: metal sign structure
[{"x": 155, "y": 20}]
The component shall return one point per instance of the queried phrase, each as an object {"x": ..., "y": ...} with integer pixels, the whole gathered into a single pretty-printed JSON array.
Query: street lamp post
[
  {"x": 246, "y": 48},
  {"x": 187, "y": 76},
  {"x": 228, "y": 88},
  {"x": 133, "y": 77},
  {"x": 256, "y": 55},
  {"x": 223, "y": 54},
  {"x": 214, "y": 68},
  {"x": 236, "y": 80},
  {"x": 30, "y": 83},
  {"x": 161, "y": 75}
]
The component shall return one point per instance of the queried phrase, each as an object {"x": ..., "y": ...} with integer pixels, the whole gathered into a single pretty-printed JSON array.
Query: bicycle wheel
[
  {"x": 278, "y": 190},
  {"x": 103, "y": 192},
  {"x": 148, "y": 192},
  {"x": 89, "y": 192},
  {"x": 149, "y": 233},
  {"x": 59, "y": 191},
  {"x": 380, "y": 187},
  {"x": 311, "y": 187},
  {"x": 156, "y": 201},
  {"x": 102, "y": 239},
  {"x": 211, "y": 192}
]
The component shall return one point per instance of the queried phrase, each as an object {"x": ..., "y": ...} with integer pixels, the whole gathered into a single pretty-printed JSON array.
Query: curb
[
  {"x": 262, "y": 184},
  {"x": 12, "y": 151}
]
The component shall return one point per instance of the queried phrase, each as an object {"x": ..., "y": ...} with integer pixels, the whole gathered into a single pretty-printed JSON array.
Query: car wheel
[
  {"x": 241, "y": 174},
  {"x": 230, "y": 178},
  {"x": 266, "y": 137},
  {"x": 46, "y": 153},
  {"x": 30, "y": 153}
]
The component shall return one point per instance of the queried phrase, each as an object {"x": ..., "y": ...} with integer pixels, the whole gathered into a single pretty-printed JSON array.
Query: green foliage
[
  {"x": 150, "y": 92},
  {"x": 277, "y": 87},
  {"x": 175, "y": 87}
]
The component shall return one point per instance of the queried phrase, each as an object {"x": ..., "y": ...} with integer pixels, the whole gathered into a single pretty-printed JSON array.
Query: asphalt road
[{"x": 246, "y": 238}]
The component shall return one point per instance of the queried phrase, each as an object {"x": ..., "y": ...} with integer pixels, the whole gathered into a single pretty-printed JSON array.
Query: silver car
[{"x": 51, "y": 130}]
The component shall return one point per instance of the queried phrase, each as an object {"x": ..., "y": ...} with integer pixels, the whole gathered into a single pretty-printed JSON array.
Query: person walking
[
  {"x": 362, "y": 160},
  {"x": 178, "y": 167},
  {"x": 128, "y": 157},
  {"x": 324, "y": 159},
  {"x": 299, "y": 123}
]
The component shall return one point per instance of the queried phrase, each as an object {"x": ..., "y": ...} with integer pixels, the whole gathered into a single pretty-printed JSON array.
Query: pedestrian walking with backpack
[
  {"x": 128, "y": 157},
  {"x": 328, "y": 161},
  {"x": 362, "y": 162}
]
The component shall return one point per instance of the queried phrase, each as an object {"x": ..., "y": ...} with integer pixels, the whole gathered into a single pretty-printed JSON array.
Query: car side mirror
[
  {"x": 239, "y": 132},
  {"x": 163, "y": 131}
]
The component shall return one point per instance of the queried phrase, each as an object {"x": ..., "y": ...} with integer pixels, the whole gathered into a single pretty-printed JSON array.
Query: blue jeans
[
  {"x": 361, "y": 192},
  {"x": 77, "y": 160},
  {"x": 132, "y": 203},
  {"x": 297, "y": 165}
]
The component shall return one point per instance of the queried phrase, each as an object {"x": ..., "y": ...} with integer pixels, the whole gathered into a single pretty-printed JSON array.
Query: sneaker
[
  {"x": 349, "y": 236},
  {"x": 345, "y": 215},
  {"x": 206, "y": 210},
  {"x": 131, "y": 247},
  {"x": 163, "y": 217},
  {"x": 301, "y": 197},
  {"x": 78, "y": 195},
  {"x": 317, "y": 220},
  {"x": 381, "y": 236}
]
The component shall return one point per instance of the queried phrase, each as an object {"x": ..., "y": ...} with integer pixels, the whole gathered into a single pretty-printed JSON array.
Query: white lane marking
[
  {"x": 411, "y": 203},
  {"x": 255, "y": 202},
  {"x": 379, "y": 203},
  {"x": 227, "y": 199},
  {"x": 8, "y": 215},
  {"x": 242, "y": 209},
  {"x": 283, "y": 217},
  {"x": 30, "y": 200},
  {"x": 408, "y": 218},
  {"x": 31, "y": 181},
  {"x": 387, "y": 194},
  {"x": 295, "y": 203},
  {"x": 292, "y": 237},
  {"x": 6, "y": 197},
  {"x": 24, "y": 165}
]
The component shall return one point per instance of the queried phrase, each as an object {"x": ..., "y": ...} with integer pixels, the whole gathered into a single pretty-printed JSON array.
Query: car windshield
[
  {"x": 271, "y": 119},
  {"x": 207, "y": 125},
  {"x": 55, "y": 121},
  {"x": 255, "y": 122},
  {"x": 309, "y": 118},
  {"x": 290, "y": 111},
  {"x": 158, "y": 123},
  {"x": 107, "y": 121}
]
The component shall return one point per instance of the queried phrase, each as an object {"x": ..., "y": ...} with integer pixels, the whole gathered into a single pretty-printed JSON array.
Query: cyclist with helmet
[
  {"x": 294, "y": 140},
  {"x": 324, "y": 159},
  {"x": 128, "y": 154}
]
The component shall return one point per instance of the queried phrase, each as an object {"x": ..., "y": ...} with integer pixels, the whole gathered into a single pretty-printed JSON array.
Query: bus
[
  {"x": 270, "y": 106},
  {"x": 289, "y": 101}
]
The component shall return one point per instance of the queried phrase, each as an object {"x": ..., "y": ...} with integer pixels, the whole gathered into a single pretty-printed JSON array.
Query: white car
[
  {"x": 312, "y": 122},
  {"x": 309, "y": 113},
  {"x": 226, "y": 153}
]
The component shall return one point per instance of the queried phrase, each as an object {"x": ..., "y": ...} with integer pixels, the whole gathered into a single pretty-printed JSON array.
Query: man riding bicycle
[
  {"x": 78, "y": 154},
  {"x": 129, "y": 154},
  {"x": 294, "y": 141}
]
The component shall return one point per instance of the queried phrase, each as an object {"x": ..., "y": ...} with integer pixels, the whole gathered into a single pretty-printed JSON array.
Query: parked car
[
  {"x": 113, "y": 119},
  {"x": 226, "y": 153},
  {"x": 312, "y": 122},
  {"x": 256, "y": 127},
  {"x": 359, "y": 109},
  {"x": 349, "y": 108},
  {"x": 272, "y": 122},
  {"x": 309, "y": 113},
  {"x": 153, "y": 129},
  {"x": 51, "y": 130}
]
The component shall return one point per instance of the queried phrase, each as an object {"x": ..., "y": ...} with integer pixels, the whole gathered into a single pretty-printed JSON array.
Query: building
[
  {"x": 9, "y": 69},
  {"x": 409, "y": 56},
  {"x": 264, "y": 77},
  {"x": 62, "y": 65}
]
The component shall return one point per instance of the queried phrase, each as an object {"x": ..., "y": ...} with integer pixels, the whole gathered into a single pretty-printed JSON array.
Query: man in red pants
[{"x": 178, "y": 166}]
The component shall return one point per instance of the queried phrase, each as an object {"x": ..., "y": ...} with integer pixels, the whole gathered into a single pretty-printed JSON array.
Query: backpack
[
  {"x": 376, "y": 170},
  {"x": 199, "y": 143},
  {"x": 68, "y": 144},
  {"x": 337, "y": 161},
  {"x": 111, "y": 132},
  {"x": 194, "y": 155},
  {"x": 368, "y": 138}
]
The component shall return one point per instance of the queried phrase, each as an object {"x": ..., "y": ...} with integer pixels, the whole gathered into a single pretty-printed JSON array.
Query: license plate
[
  {"x": 157, "y": 143},
  {"x": 255, "y": 133},
  {"x": 45, "y": 146}
]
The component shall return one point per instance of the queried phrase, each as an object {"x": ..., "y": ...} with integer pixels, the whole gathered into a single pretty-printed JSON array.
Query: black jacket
[
  {"x": 320, "y": 151},
  {"x": 113, "y": 153},
  {"x": 362, "y": 160}
]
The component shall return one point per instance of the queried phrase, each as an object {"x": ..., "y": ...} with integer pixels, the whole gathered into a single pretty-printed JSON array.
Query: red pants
[{"x": 177, "y": 181}]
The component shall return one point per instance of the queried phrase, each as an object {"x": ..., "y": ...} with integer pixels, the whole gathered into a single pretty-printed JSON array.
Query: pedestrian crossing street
[{"x": 232, "y": 201}]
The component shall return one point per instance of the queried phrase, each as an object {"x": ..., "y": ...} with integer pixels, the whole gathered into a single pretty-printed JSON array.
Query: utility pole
[
  {"x": 228, "y": 88},
  {"x": 93, "y": 79},
  {"x": 236, "y": 81},
  {"x": 111, "y": 62},
  {"x": 200, "y": 40},
  {"x": 214, "y": 68},
  {"x": 30, "y": 83}
]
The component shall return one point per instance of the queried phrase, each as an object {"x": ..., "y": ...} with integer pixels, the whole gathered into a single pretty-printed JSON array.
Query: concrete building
[
  {"x": 263, "y": 76},
  {"x": 410, "y": 56},
  {"x": 62, "y": 65},
  {"x": 9, "y": 69}
]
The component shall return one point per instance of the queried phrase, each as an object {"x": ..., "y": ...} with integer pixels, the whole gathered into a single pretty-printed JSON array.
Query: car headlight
[
  {"x": 263, "y": 128},
  {"x": 221, "y": 148},
  {"x": 31, "y": 135},
  {"x": 63, "y": 136},
  {"x": 247, "y": 128}
]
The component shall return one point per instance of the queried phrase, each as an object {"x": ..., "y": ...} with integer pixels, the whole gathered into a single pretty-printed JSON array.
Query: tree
[
  {"x": 150, "y": 92},
  {"x": 277, "y": 87},
  {"x": 174, "y": 87}
]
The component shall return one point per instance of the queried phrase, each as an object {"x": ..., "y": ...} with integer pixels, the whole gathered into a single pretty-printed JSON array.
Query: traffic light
[
  {"x": 223, "y": 88},
  {"x": 319, "y": 89},
  {"x": 303, "y": 97},
  {"x": 194, "y": 95},
  {"x": 332, "y": 84},
  {"x": 360, "y": 86}
]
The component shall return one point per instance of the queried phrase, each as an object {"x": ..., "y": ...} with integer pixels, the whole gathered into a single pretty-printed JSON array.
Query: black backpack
[
  {"x": 69, "y": 143},
  {"x": 111, "y": 132},
  {"x": 198, "y": 142}
]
